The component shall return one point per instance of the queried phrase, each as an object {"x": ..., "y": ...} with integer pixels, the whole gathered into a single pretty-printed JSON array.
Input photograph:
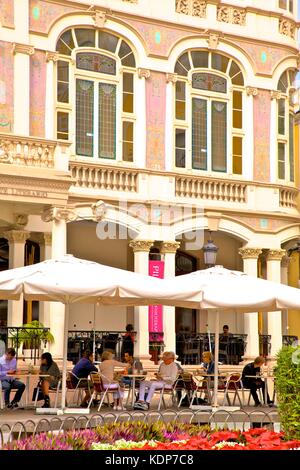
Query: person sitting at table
[
  {"x": 82, "y": 370},
  {"x": 208, "y": 364},
  {"x": 251, "y": 379},
  {"x": 50, "y": 368},
  {"x": 8, "y": 368},
  {"x": 132, "y": 365},
  {"x": 112, "y": 380},
  {"x": 166, "y": 376}
]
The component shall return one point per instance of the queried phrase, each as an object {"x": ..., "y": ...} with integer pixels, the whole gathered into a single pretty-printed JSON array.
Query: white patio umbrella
[
  {"x": 223, "y": 290},
  {"x": 69, "y": 280}
]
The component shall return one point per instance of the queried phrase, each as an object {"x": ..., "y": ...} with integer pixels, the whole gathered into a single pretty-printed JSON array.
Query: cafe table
[
  {"x": 265, "y": 378},
  {"x": 26, "y": 378},
  {"x": 132, "y": 386}
]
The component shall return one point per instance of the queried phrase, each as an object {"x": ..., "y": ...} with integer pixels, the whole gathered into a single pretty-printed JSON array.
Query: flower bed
[{"x": 156, "y": 436}]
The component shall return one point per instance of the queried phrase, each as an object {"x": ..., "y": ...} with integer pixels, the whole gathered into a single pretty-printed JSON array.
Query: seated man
[
  {"x": 254, "y": 383},
  {"x": 133, "y": 364},
  {"x": 166, "y": 376},
  {"x": 8, "y": 368},
  {"x": 82, "y": 370}
]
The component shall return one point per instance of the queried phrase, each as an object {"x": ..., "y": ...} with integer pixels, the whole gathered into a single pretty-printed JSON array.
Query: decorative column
[
  {"x": 22, "y": 53},
  {"x": 59, "y": 216},
  {"x": 171, "y": 79},
  {"x": 16, "y": 240},
  {"x": 250, "y": 257},
  {"x": 45, "y": 242},
  {"x": 285, "y": 280},
  {"x": 168, "y": 249},
  {"x": 274, "y": 258},
  {"x": 51, "y": 58},
  {"x": 141, "y": 249},
  {"x": 140, "y": 125},
  {"x": 251, "y": 93}
]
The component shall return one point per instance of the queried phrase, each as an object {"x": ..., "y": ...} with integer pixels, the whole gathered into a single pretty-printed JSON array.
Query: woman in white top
[
  {"x": 107, "y": 369},
  {"x": 166, "y": 376}
]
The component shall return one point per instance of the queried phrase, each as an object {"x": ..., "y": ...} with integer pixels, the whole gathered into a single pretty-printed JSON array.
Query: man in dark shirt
[
  {"x": 254, "y": 383},
  {"x": 82, "y": 370}
]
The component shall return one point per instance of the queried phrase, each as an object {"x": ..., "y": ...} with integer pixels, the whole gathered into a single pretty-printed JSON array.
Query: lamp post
[{"x": 210, "y": 253}]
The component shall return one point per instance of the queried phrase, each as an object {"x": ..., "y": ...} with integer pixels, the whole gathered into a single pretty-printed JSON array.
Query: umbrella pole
[
  {"x": 94, "y": 333},
  {"x": 216, "y": 373},
  {"x": 65, "y": 358}
]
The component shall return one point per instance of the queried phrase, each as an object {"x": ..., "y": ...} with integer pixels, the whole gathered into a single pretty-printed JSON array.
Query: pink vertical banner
[{"x": 155, "y": 323}]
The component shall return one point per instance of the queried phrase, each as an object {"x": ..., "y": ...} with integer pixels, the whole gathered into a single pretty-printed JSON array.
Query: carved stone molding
[
  {"x": 99, "y": 18},
  {"x": 287, "y": 27},
  {"x": 6, "y": 153},
  {"x": 98, "y": 210},
  {"x": 213, "y": 40},
  {"x": 21, "y": 219},
  {"x": 251, "y": 91},
  {"x": 171, "y": 77},
  {"x": 250, "y": 253},
  {"x": 231, "y": 15},
  {"x": 16, "y": 236},
  {"x": 169, "y": 247},
  {"x": 285, "y": 262},
  {"x": 43, "y": 238},
  {"x": 144, "y": 73},
  {"x": 22, "y": 49},
  {"x": 276, "y": 95},
  {"x": 276, "y": 255},
  {"x": 141, "y": 245},
  {"x": 52, "y": 56},
  {"x": 59, "y": 213},
  {"x": 191, "y": 7}
]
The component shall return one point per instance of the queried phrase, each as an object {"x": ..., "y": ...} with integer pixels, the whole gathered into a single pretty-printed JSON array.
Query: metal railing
[
  {"x": 190, "y": 347},
  {"x": 30, "y": 338},
  {"x": 78, "y": 341},
  {"x": 290, "y": 340},
  {"x": 264, "y": 345},
  {"x": 238, "y": 419}
]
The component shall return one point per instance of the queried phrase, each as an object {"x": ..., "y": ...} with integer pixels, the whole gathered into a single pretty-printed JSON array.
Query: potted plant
[{"x": 31, "y": 338}]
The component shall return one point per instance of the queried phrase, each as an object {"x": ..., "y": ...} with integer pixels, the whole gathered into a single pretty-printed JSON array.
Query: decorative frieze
[
  {"x": 251, "y": 91},
  {"x": 59, "y": 213},
  {"x": 231, "y": 15},
  {"x": 144, "y": 73},
  {"x": 21, "y": 219},
  {"x": 23, "y": 49},
  {"x": 26, "y": 151},
  {"x": 191, "y": 7},
  {"x": 287, "y": 27},
  {"x": 141, "y": 245},
  {"x": 250, "y": 253},
  {"x": 169, "y": 247}
]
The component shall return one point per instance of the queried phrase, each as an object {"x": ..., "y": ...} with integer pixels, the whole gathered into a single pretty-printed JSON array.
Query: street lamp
[{"x": 210, "y": 253}]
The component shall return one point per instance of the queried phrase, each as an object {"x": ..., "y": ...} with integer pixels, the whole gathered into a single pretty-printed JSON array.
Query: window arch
[
  {"x": 95, "y": 93},
  {"x": 285, "y": 127},
  {"x": 209, "y": 95}
]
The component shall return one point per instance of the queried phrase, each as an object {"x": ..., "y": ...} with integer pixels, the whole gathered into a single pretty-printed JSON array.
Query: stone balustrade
[
  {"x": 210, "y": 189},
  {"x": 288, "y": 198}
]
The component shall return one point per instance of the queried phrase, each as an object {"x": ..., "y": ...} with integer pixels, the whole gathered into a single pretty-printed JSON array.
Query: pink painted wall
[
  {"x": 6, "y": 87},
  {"x": 42, "y": 14},
  {"x": 261, "y": 117},
  {"x": 155, "y": 120},
  {"x": 37, "y": 93},
  {"x": 7, "y": 13}
]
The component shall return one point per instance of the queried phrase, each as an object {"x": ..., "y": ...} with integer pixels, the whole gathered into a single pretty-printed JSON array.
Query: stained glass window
[
  {"x": 65, "y": 44},
  {"x": 237, "y": 109},
  {"x": 108, "y": 41},
  {"x": 126, "y": 55},
  {"x": 128, "y": 93},
  {"x": 209, "y": 82},
  {"x": 199, "y": 134},
  {"x": 62, "y": 126},
  {"x": 180, "y": 100},
  {"x": 218, "y": 135},
  {"x": 283, "y": 82},
  {"x": 85, "y": 37},
  {"x": 107, "y": 120},
  {"x": 63, "y": 81},
  {"x": 219, "y": 62},
  {"x": 237, "y": 155},
  {"x": 96, "y": 63},
  {"x": 200, "y": 59},
  {"x": 84, "y": 117},
  {"x": 236, "y": 75},
  {"x": 180, "y": 147},
  {"x": 127, "y": 141},
  {"x": 281, "y": 160},
  {"x": 281, "y": 116},
  {"x": 291, "y": 147}
]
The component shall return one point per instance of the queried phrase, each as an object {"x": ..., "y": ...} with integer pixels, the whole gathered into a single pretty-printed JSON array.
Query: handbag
[{"x": 40, "y": 395}]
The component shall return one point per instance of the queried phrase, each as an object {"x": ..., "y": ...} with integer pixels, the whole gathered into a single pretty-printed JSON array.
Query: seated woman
[
  {"x": 50, "y": 368},
  {"x": 208, "y": 363},
  {"x": 166, "y": 376},
  {"x": 107, "y": 369}
]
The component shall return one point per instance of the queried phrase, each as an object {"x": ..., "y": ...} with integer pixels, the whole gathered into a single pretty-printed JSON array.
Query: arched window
[
  {"x": 209, "y": 113},
  {"x": 285, "y": 127},
  {"x": 95, "y": 93}
]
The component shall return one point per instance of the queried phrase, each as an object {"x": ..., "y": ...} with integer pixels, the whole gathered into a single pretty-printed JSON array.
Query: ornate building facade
[{"x": 130, "y": 126}]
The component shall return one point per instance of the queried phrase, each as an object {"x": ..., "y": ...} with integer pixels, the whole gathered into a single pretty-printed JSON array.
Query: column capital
[
  {"x": 141, "y": 245},
  {"x": 16, "y": 236},
  {"x": 276, "y": 94},
  {"x": 43, "y": 238},
  {"x": 52, "y": 56},
  {"x": 250, "y": 253},
  {"x": 285, "y": 261},
  {"x": 22, "y": 49},
  {"x": 251, "y": 91},
  {"x": 169, "y": 247},
  {"x": 171, "y": 77},
  {"x": 276, "y": 255},
  {"x": 59, "y": 213},
  {"x": 144, "y": 73}
]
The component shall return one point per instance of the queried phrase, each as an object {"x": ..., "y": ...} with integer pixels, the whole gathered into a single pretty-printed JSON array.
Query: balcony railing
[
  {"x": 288, "y": 197},
  {"x": 97, "y": 177},
  {"x": 30, "y": 339},
  {"x": 209, "y": 189}
]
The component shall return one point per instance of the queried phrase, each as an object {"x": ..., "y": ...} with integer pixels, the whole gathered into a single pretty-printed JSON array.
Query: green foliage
[
  {"x": 31, "y": 335},
  {"x": 287, "y": 373}
]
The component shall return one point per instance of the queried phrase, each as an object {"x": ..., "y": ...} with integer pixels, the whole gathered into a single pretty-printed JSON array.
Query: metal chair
[
  {"x": 80, "y": 386},
  {"x": 102, "y": 388},
  {"x": 233, "y": 384},
  {"x": 202, "y": 386},
  {"x": 55, "y": 390},
  {"x": 167, "y": 390}
]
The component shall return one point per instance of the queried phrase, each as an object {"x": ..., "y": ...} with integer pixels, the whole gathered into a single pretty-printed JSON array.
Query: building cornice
[{"x": 22, "y": 49}]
